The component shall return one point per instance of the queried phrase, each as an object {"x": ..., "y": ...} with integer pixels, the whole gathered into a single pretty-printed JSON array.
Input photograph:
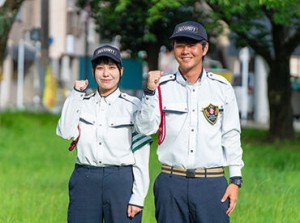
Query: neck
[
  {"x": 106, "y": 92},
  {"x": 192, "y": 75}
]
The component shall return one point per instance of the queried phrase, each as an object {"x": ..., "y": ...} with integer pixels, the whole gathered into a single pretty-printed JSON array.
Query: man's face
[
  {"x": 189, "y": 55},
  {"x": 107, "y": 77}
]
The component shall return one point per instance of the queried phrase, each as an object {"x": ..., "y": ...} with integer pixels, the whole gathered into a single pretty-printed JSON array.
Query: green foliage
[
  {"x": 255, "y": 18},
  {"x": 141, "y": 23},
  {"x": 272, "y": 29}
]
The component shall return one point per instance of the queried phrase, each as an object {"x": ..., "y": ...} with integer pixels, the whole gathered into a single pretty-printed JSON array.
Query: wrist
[
  {"x": 237, "y": 181},
  {"x": 149, "y": 92},
  {"x": 81, "y": 91}
]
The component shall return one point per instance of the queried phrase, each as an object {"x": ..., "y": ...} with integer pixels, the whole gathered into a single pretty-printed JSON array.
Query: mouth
[
  {"x": 105, "y": 80},
  {"x": 186, "y": 59}
]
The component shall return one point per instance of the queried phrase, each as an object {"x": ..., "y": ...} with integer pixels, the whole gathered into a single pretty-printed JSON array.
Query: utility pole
[
  {"x": 44, "y": 43},
  {"x": 86, "y": 34},
  {"x": 244, "y": 56}
]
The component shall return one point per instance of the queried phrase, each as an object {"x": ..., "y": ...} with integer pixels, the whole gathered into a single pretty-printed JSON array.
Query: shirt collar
[
  {"x": 109, "y": 98},
  {"x": 182, "y": 80}
]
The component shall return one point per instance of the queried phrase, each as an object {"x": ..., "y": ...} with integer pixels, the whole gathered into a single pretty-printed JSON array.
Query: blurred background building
[{"x": 51, "y": 42}]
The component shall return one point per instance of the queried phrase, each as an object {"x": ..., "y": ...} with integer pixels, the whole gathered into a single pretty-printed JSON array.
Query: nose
[
  {"x": 105, "y": 71},
  {"x": 185, "y": 50}
]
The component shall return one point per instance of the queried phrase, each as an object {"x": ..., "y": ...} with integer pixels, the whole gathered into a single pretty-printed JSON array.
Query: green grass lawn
[{"x": 35, "y": 166}]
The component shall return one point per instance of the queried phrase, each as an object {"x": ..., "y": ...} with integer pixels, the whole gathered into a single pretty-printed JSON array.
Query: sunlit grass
[{"x": 35, "y": 166}]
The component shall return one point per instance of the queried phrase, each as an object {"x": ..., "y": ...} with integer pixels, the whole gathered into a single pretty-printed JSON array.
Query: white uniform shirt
[
  {"x": 195, "y": 138},
  {"x": 106, "y": 135}
]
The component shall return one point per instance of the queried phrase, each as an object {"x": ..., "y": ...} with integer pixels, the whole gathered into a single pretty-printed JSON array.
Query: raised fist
[
  {"x": 153, "y": 79},
  {"x": 81, "y": 85}
]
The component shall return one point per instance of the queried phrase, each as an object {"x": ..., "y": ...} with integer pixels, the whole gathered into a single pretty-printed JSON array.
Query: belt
[{"x": 193, "y": 173}]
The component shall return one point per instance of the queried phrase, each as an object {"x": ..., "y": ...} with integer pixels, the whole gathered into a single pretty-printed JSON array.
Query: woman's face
[{"x": 107, "y": 77}]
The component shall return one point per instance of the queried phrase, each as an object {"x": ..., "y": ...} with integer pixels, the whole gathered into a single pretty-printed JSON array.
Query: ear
[{"x": 205, "y": 49}]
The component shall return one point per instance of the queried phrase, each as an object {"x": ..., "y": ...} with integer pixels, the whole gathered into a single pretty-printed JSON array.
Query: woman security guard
[{"x": 110, "y": 179}]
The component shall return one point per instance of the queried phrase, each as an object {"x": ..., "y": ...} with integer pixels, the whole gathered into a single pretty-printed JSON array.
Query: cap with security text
[
  {"x": 108, "y": 51},
  {"x": 190, "y": 29}
]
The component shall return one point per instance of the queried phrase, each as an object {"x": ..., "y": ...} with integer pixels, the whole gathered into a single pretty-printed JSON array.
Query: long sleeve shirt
[
  {"x": 202, "y": 122},
  {"x": 107, "y": 134}
]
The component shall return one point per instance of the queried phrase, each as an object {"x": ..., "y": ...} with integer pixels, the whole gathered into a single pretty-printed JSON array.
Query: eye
[
  {"x": 112, "y": 67},
  {"x": 99, "y": 67},
  {"x": 179, "y": 45}
]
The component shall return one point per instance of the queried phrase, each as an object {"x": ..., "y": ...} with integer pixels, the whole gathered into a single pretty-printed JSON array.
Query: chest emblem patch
[{"x": 211, "y": 113}]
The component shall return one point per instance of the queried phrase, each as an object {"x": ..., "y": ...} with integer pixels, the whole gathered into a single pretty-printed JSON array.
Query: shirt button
[
  {"x": 100, "y": 143},
  {"x": 193, "y": 110},
  {"x": 192, "y": 130},
  {"x": 194, "y": 90},
  {"x": 100, "y": 124},
  {"x": 100, "y": 162},
  {"x": 192, "y": 151}
]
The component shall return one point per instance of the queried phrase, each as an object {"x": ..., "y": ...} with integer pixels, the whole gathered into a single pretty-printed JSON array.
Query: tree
[
  {"x": 8, "y": 14},
  {"x": 143, "y": 25},
  {"x": 272, "y": 30}
]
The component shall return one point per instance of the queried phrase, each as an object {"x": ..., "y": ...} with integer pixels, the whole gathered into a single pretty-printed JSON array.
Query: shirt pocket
[
  {"x": 87, "y": 127},
  {"x": 87, "y": 119},
  {"x": 119, "y": 122},
  {"x": 175, "y": 108},
  {"x": 119, "y": 132}
]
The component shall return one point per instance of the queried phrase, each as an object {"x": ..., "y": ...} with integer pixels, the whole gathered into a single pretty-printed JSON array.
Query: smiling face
[
  {"x": 107, "y": 75},
  {"x": 189, "y": 55}
]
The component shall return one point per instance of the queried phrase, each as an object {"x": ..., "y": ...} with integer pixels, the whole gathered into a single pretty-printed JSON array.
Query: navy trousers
[
  {"x": 190, "y": 200},
  {"x": 100, "y": 194}
]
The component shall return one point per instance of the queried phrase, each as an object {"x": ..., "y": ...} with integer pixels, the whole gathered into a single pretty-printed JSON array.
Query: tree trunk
[
  {"x": 153, "y": 54},
  {"x": 279, "y": 94},
  {"x": 8, "y": 13}
]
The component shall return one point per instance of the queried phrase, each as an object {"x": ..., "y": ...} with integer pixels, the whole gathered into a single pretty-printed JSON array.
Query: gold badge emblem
[{"x": 211, "y": 113}]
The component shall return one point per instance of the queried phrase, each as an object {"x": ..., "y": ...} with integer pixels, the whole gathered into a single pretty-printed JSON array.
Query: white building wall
[{"x": 57, "y": 27}]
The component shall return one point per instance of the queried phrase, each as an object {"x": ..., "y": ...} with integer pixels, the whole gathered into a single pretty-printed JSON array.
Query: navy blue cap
[
  {"x": 108, "y": 51},
  {"x": 190, "y": 29}
]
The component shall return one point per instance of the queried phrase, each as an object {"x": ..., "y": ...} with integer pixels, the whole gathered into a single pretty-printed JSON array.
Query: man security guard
[{"x": 197, "y": 113}]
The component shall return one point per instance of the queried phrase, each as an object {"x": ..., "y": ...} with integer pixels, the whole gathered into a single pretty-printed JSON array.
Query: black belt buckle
[{"x": 191, "y": 173}]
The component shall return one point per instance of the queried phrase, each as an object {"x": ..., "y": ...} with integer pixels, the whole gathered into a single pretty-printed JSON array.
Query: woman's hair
[{"x": 105, "y": 60}]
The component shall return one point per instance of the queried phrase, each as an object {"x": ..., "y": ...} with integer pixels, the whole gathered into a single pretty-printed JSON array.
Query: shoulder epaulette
[
  {"x": 217, "y": 77},
  {"x": 130, "y": 98},
  {"x": 166, "y": 78},
  {"x": 139, "y": 140}
]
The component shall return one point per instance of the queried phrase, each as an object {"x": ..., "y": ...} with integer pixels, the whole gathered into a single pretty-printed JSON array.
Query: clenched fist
[
  {"x": 153, "y": 79},
  {"x": 81, "y": 85}
]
